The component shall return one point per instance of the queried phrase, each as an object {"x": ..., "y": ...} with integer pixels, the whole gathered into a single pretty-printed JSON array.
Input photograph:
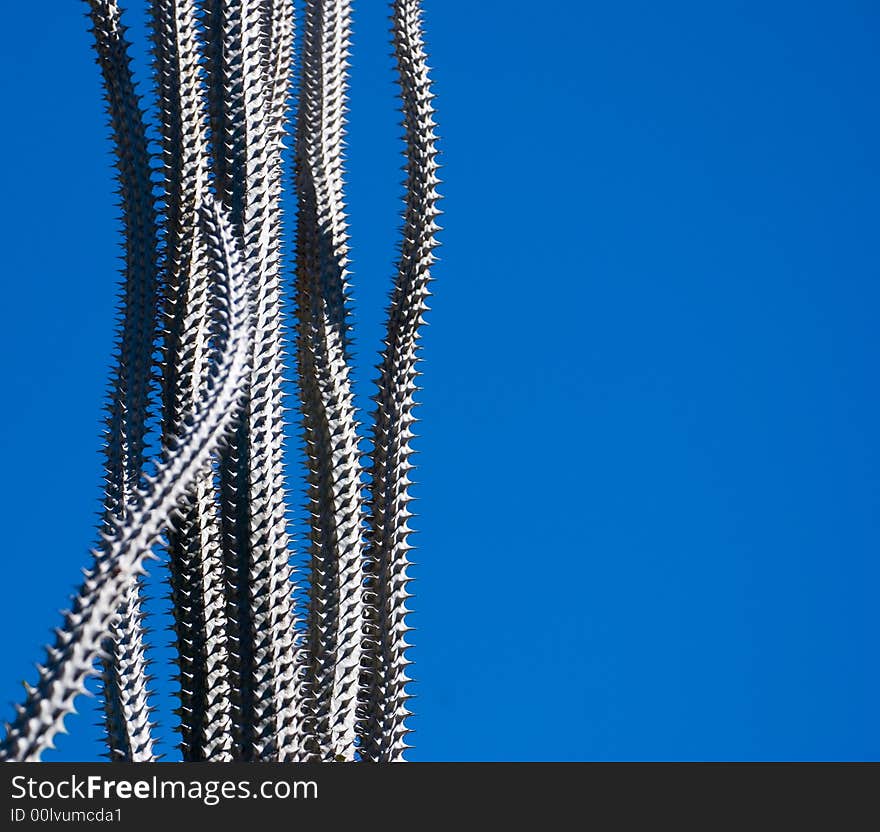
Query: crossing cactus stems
[{"x": 200, "y": 362}]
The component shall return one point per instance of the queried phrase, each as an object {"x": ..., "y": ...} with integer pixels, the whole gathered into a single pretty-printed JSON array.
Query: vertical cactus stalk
[
  {"x": 222, "y": 63},
  {"x": 197, "y": 574},
  {"x": 249, "y": 84},
  {"x": 386, "y": 663},
  {"x": 277, "y": 721},
  {"x": 125, "y": 680},
  {"x": 326, "y": 395}
]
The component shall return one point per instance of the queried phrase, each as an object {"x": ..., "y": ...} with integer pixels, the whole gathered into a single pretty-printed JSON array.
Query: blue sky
[{"x": 649, "y": 475}]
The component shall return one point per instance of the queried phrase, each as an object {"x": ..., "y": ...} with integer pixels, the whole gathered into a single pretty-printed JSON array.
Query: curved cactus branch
[
  {"x": 78, "y": 641},
  {"x": 329, "y": 415},
  {"x": 385, "y": 706},
  {"x": 126, "y": 696}
]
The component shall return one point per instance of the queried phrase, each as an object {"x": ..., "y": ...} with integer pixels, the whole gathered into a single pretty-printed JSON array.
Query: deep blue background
[{"x": 650, "y": 455}]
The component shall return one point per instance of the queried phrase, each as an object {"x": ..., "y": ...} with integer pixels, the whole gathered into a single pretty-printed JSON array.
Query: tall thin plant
[{"x": 199, "y": 373}]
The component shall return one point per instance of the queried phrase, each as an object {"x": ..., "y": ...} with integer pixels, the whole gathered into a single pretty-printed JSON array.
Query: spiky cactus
[
  {"x": 200, "y": 363},
  {"x": 385, "y": 698},
  {"x": 336, "y": 613},
  {"x": 124, "y": 668}
]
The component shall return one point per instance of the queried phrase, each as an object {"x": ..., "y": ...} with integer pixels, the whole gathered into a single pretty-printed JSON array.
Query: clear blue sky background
[{"x": 650, "y": 456}]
